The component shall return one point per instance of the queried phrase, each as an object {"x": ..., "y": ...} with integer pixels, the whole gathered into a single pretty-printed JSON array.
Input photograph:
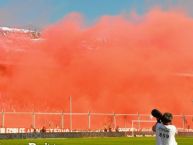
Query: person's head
[{"x": 167, "y": 118}]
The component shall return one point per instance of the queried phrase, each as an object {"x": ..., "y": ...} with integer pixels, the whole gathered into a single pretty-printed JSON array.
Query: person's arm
[
  {"x": 154, "y": 127},
  {"x": 176, "y": 131}
]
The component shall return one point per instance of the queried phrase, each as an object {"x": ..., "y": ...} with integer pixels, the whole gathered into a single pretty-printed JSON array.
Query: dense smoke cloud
[{"x": 115, "y": 65}]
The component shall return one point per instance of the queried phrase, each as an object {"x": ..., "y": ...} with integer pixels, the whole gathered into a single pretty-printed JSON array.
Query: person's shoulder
[
  {"x": 172, "y": 127},
  {"x": 159, "y": 125}
]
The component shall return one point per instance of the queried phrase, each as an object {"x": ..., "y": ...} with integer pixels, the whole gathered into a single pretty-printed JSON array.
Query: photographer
[
  {"x": 165, "y": 131},
  {"x": 158, "y": 115}
]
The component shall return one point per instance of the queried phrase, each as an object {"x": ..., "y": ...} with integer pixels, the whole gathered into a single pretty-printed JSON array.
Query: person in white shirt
[{"x": 165, "y": 131}]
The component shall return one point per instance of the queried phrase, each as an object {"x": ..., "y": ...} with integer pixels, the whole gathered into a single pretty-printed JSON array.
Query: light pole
[{"x": 70, "y": 113}]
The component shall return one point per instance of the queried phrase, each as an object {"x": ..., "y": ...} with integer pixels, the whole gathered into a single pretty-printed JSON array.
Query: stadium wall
[
  {"x": 61, "y": 135},
  {"x": 81, "y": 135}
]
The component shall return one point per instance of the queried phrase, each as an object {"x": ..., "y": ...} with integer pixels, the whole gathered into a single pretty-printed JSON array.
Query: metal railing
[{"x": 89, "y": 119}]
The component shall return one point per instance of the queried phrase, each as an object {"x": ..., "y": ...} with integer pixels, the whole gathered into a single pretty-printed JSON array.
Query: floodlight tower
[{"x": 71, "y": 113}]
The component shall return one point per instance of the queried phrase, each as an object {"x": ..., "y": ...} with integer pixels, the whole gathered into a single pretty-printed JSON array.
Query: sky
[{"x": 39, "y": 13}]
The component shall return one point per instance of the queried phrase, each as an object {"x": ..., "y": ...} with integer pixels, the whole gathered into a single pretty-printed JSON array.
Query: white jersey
[{"x": 165, "y": 134}]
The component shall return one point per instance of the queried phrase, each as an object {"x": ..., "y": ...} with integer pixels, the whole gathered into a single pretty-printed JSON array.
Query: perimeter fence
[
  {"x": 90, "y": 121},
  {"x": 66, "y": 122}
]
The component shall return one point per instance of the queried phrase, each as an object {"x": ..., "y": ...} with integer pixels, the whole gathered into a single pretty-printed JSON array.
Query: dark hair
[{"x": 167, "y": 118}]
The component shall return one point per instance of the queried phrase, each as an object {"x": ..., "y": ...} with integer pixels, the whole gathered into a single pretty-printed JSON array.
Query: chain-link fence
[{"x": 87, "y": 121}]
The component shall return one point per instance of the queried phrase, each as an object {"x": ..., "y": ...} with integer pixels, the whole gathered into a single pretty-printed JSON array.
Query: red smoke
[{"x": 118, "y": 65}]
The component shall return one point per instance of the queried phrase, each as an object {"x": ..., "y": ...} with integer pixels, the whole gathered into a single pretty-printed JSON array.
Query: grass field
[{"x": 94, "y": 141}]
